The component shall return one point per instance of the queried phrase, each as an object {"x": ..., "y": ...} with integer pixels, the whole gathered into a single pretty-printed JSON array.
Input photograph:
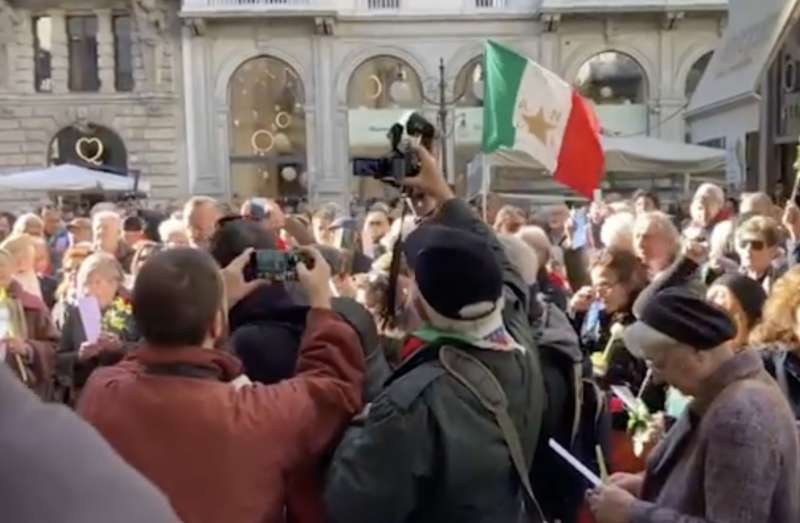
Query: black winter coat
[
  {"x": 267, "y": 327},
  {"x": 427, "y": 450},
  {"x": 784, "y": 366}
]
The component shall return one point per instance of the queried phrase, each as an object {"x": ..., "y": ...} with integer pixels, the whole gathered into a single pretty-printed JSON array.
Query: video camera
[{"x": 401, "y": 161}]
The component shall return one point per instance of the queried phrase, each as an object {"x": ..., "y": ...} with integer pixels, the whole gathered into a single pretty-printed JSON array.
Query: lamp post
[{"x": 443, "y": 102}]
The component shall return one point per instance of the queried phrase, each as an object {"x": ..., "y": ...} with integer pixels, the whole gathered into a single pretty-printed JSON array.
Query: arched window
[
  {"x": 617, "y": 86},
  {"x": 89, "y": 145},
  {"x": 469, "y": 84},
  {"x": 384, "y": 82},
  {"x": 468, "y": 117},
  {"x": 379, "y": 92},
  {"x": 696, "y": 74},
  {"x": 267, "y": 131}
]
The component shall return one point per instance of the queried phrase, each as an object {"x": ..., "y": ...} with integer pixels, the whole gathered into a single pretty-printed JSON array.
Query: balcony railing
[
  {"x": 256, "y": 6},
  {"x": 357, "y": 7}
]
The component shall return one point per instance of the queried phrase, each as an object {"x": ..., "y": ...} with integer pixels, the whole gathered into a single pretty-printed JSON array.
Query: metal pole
[{"x": 443, "y": 119}]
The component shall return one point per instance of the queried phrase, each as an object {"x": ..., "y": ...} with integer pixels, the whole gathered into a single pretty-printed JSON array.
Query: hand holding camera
[
  {"x": 430, "y": 180},
  {"x": 314, "y": 274}
]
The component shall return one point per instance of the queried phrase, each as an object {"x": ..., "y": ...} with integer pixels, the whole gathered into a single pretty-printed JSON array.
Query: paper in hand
[
  {"x": 624, "y": 393},
  {"x": 576, "y": 464},
  {"x": 91, "y": 318}
]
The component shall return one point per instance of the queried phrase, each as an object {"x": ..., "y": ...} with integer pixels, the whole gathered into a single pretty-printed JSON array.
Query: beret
[{"x": 679, "y": 315}]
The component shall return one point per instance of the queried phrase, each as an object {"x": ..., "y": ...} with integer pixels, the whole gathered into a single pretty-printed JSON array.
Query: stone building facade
[
  {"x": 141, "y": 128},
  {"x": 277, "y": 97}
]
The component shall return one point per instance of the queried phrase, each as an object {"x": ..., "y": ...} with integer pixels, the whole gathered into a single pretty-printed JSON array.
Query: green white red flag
[{"x": 530, "y": 109}]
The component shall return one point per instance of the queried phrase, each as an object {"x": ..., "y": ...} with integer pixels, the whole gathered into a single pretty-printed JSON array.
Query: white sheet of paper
[
  {"x": 5, "y": 321},
  {"x": 91, "y": 318},
  {"x": 577, "y": 465},
  {"x": 624, "y": 393}
]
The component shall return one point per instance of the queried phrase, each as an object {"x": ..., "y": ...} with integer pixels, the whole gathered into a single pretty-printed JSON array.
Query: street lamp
[
  {"x": 400, "y": 86},
  {"x": 443, "y": 102}
]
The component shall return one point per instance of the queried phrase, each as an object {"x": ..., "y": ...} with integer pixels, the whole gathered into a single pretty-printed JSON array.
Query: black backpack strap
[
  {"x": 479, "y": 380},
  {"x": 779, "y": 360},
  {"x": 407, "y": 388}
]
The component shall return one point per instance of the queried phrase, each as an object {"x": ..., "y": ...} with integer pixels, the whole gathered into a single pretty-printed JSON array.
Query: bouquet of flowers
[
  {"x": 118, "y": 319},
  {"x": 600, "y": 359},
  {"x": 643, "y": 425}
]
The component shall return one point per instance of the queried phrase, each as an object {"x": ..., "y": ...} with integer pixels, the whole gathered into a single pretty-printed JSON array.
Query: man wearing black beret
[
  {"x": 429, "y": 449},
  {"x": 733, "y": 455}
]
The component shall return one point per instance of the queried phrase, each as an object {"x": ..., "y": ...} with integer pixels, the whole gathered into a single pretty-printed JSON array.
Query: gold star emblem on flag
[{"x": 538, "y": 125}]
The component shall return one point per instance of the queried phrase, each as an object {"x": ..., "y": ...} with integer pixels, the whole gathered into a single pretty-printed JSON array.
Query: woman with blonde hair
[
  {"x": 27, "y": 337},
  {"x": 22, "y": 248},
  {"x": 100, "y": 286},
  {"x": 778, "y": 336}
]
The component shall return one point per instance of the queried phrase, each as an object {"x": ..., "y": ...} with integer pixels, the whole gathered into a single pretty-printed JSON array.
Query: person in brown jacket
[
  {"x": 733, "y": 456},
  {"x": 27, "y": 336},
  {"x": 175, "y": 410}
]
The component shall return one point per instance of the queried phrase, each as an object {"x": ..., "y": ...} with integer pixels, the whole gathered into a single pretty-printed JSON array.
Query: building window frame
[
  {"x": 42, "y": 56},
  {"x": 123, "y": 52},
  {"x": 82, "y": 49}
]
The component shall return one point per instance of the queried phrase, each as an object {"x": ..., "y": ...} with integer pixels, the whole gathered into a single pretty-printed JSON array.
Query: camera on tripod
[{"x": 401, "y": 161}]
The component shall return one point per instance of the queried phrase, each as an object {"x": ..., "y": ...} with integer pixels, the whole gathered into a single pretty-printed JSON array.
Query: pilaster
[
  {"x": 105, "y": 51},
  {"x": 59, "y": 61}
]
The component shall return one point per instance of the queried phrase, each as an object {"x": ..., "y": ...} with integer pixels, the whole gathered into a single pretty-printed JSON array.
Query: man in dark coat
[{"x": 428, "y": 450}]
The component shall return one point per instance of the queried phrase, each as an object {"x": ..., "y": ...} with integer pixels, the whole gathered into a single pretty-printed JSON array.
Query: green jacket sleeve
[{"x": 381, "y": 468}]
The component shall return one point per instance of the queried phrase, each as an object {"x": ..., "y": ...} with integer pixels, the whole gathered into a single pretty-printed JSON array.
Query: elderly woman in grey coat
[{"x": 733, "y": 456}]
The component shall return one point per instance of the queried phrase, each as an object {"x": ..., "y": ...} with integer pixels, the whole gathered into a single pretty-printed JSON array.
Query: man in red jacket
[{"x": 220, "y": 451}]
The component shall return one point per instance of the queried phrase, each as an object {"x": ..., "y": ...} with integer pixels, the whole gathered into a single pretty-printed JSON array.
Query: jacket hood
[{"x": 267, "y": 303}]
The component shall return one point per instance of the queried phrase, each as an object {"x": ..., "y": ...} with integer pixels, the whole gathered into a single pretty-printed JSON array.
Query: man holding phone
[{"x": 173, "y": 409}]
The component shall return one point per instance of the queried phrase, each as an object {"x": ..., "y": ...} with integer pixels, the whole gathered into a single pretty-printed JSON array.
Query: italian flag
[{"x": 530, "y": 109}]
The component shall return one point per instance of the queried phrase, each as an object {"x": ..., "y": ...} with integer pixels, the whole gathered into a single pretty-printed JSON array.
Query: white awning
[
  {"x": 69, "y": 178},
  {"x": 637, "y": 154},
  {"x": 755, "y": 31}
]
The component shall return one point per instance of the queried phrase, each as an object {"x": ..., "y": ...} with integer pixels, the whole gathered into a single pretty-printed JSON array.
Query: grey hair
[
  {"x": 22, "y": 222},
  {"x": 712, "y": 189},
  {"x": 106, "y": 215},
  {"x": 99, "y": 262},
  {"x": 757, "y": 202},
  {"x": 193, "y": 203},
  {"x": 662, "y": 220},
  {"x": 618, "y": 229},
  {"x": 538, "y": 240},
  {"x": 170, "y": 226},
  {"x": 522, "y": 256}
]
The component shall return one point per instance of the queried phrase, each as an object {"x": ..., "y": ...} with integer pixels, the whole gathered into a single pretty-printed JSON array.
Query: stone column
[
  {"x": 59, "y": 61},
  {"x": 105, "y": 51},
  {"x": 329, "y": 176}
]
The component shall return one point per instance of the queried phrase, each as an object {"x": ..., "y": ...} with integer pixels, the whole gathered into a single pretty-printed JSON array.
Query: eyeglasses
[{"x": 754, "y": 245}]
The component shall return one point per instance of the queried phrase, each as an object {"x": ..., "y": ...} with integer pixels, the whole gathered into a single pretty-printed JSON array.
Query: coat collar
[
  {"x": 26, "y": 299},
  {"x": 743, "y": 365},
  {"x": 225, "y": 365}
]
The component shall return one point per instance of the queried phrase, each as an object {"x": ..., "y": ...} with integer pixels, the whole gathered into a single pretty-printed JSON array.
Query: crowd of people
[{"x": 416, "y": 366}]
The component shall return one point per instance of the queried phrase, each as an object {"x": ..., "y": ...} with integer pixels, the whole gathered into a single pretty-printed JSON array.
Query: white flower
[{"x": 617, "y": 330}]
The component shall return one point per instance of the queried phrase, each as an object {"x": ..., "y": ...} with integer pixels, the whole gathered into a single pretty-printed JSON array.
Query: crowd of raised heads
[{"x": 659, "y": 344}]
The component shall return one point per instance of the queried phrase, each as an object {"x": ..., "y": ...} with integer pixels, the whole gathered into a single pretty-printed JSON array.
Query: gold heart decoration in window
[{"x": 90, "y": 150}]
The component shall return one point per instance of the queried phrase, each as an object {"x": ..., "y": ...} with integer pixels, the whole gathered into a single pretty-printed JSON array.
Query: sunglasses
[{"x": 754, "y": 245}]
